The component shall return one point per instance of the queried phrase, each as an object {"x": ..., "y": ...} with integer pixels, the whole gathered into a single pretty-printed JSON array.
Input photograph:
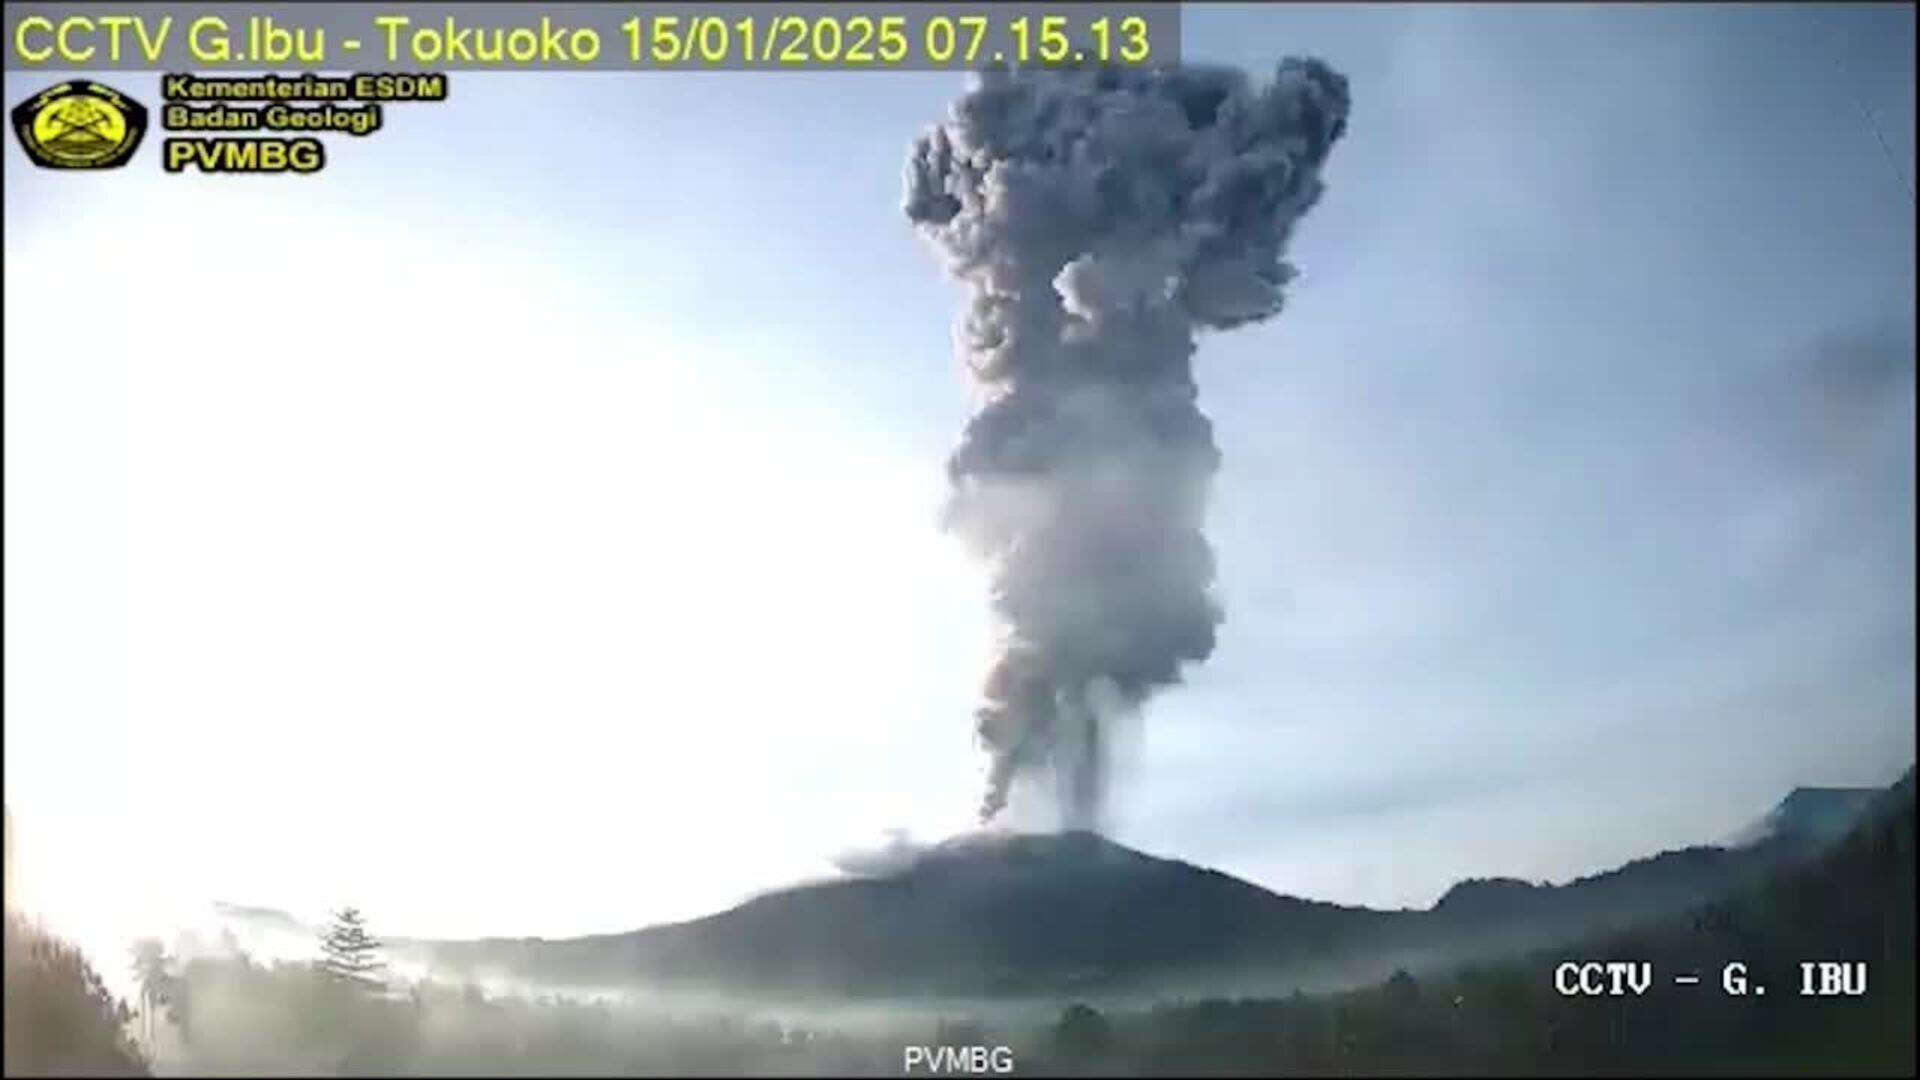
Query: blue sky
[{"x": 526, "y": 525}]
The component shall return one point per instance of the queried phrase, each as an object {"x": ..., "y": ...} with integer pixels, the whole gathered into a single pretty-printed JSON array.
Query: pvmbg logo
[{"x": 80, "y": 125}]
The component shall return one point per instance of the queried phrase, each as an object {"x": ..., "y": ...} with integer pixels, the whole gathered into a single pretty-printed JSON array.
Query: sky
[{"x": 527, "y": 524}]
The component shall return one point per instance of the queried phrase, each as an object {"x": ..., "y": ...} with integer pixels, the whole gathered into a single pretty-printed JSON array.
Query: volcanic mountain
[
  {"x": 980, "y": 914},
  {"x": 1008, "y": 914},
  {"x": 1002, "y": 914}
]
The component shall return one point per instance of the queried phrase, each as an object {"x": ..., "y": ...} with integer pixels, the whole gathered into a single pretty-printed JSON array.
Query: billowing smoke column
[{"x": 1099, "y": 216}]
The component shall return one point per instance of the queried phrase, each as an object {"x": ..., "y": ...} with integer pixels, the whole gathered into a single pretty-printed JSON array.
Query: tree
[
  {"x": 1082, "y": 1032},
  {"x": 350, "y": 955},
  {"x": 1403, "y": 990},
  {"x": 153, "y": 973},
  {"x": 60, "y": 1018}
]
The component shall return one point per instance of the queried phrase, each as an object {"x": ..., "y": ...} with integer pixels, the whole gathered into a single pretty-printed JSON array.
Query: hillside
[
  {"x": 59, "y": 1017},
  {"x": 1014, "y": 914},
  {"x": 1809, "y": 815},
  {"x": 1852, "y": 901},
  {"x": 988, "y": 914}
]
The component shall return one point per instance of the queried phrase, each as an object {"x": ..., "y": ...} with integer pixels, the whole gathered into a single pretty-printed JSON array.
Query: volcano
[
  {"x": 1000, "y": 914},
  {"x": 1009, "y": 915},
  {"x": 988, "y": 914}
]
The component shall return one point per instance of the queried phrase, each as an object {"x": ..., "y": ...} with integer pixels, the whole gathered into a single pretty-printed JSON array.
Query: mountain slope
[
  {"x": 1811, "y": 815},
  {"x": 978, "y": 915},
  {"x": 1798, "y": 828},
  {"x": 1854, "y": 901},
  {"x": 1009, "y": 914},
  {"x": 59, "y": 1017}
]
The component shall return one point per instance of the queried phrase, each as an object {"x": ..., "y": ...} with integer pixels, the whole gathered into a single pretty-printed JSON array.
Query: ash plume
[{"x": 1099, "y": 217}]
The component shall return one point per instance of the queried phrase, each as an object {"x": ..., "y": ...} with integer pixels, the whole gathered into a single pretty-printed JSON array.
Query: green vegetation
[
  {"x": 1855, "y": 903},
  {"x": 350, "y": 955},
  {"x": 59, "y": 1017}
]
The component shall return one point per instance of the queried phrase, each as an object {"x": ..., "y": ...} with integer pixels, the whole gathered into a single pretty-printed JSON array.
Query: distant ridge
[
  {"x": 1799, "y": 826},
  {"x": 1809, "y": 815},
  {"x": 264, "y": 918}
]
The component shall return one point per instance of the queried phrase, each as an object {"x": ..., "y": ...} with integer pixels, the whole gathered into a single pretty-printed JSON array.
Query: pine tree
[
  {"x": 153, "y": 974},
  {"x": 349, "y": 954}
]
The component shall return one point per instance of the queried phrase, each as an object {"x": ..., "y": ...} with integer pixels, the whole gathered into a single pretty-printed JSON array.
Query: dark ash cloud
[{"x": 1100, "y": 217}]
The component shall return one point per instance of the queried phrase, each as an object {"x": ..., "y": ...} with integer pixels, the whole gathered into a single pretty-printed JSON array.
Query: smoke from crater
[{"x": 1099, "y": 217}]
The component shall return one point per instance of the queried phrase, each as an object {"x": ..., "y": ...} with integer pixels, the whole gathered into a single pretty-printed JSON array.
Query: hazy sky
[{"x": 527, "y": 524}]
